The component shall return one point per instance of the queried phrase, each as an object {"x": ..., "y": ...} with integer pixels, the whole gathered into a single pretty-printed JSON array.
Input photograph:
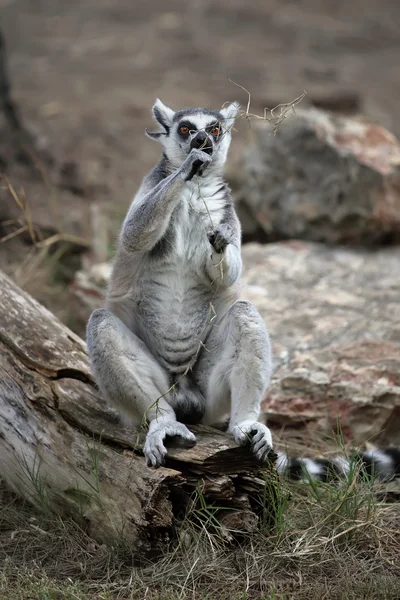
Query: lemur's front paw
[
  {"x": 256, "y": 435},
  {"x": 154, "y": 449},
  {"x": 195, "y": 164},
  {"x": 221, "y": 237}
]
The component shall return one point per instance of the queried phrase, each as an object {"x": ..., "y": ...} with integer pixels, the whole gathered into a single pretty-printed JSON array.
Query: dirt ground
[{"x": 85, "y": 74}]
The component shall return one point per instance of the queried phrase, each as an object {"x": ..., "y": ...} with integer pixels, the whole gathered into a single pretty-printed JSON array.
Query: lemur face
[{"x": 200, "y": 128}]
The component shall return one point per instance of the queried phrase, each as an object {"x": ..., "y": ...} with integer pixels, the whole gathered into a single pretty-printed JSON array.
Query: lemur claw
[
  {"x": 257, "y": 436},
  {"x": 221, "y": 237},
  {"x": 195, "y": 164},
  {"x": 154, "y": 448}
]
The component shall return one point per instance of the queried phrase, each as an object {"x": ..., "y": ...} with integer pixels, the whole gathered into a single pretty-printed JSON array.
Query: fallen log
[{"x": 62, "y": 447}]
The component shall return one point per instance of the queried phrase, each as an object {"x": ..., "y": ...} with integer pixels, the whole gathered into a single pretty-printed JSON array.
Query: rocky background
[{"x": 319, "y": 199}]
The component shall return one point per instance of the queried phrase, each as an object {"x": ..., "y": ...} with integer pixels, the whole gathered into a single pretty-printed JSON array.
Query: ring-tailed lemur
[{"x": 175, "y": 344}]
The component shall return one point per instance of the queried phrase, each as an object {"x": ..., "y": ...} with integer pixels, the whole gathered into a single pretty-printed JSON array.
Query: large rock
[
  {"x": 334, "y": 319},
  {"x": 321, "y": 178}
]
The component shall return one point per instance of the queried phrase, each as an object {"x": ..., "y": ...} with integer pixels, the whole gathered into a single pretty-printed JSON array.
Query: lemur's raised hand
[{"x": 175, "y": 345}]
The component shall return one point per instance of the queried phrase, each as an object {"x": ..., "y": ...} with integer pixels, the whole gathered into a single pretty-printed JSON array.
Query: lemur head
[{"x": 208, "y": 130}]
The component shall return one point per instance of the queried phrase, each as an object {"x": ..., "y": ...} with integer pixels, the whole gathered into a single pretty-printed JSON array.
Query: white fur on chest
[
  {"x": 206, "y": 194},
  {"x": 201, "y": 209}
]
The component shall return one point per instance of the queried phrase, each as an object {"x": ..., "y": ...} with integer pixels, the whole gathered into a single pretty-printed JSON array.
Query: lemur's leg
[
  {"x": 233, "y": 374},
  {"x": 132, "y": 378}
]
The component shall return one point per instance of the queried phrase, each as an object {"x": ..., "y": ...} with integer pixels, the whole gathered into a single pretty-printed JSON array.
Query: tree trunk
[{"x": 63, "y": 448}]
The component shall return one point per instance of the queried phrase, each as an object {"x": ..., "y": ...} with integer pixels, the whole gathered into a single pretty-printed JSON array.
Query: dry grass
[
  {"x": 330, "y": 541},
  {"x": 42, "y": 263},
  {"x": 273, "y": 116}
]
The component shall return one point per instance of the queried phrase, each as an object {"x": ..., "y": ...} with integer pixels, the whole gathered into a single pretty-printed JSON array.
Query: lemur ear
[
  {"x": 230, "y": 113},
  {"x": 163, "y": 115}
]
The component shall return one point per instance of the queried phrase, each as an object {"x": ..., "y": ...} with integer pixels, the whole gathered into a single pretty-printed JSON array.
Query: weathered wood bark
[{"x": 62, "y": 446}]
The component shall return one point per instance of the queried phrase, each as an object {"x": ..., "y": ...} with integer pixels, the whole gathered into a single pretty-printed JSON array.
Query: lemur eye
[
  {"x": 216, "y": 130},
  {"x": 184, "y": 130}
]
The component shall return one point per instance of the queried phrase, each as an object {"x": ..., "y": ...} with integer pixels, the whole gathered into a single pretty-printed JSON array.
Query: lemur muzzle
[{"x": 202, "y": 142}]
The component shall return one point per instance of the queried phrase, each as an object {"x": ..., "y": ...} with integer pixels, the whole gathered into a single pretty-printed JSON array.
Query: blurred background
[{"x": 78, "y": 80}]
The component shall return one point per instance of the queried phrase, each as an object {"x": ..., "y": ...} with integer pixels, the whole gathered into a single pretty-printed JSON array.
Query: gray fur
[
  {"x": 174, "y": 343},
  {"x": 189, "y": 112}
]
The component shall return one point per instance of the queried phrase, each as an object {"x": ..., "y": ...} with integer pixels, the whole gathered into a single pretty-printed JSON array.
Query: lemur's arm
[
  {"x": 224, "y": 262},
  {"x": 150, "y": 212}
]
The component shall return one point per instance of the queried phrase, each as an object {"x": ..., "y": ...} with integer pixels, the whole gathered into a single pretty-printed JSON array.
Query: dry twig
[{"x": 274, "y": 116}]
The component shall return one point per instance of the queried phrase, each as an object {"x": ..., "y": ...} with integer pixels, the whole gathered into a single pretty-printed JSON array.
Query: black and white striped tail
[{"x": 381, "y": 464}]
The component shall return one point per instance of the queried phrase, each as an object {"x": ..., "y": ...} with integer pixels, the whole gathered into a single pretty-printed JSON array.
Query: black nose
[{"x": 202, "y": 142}]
